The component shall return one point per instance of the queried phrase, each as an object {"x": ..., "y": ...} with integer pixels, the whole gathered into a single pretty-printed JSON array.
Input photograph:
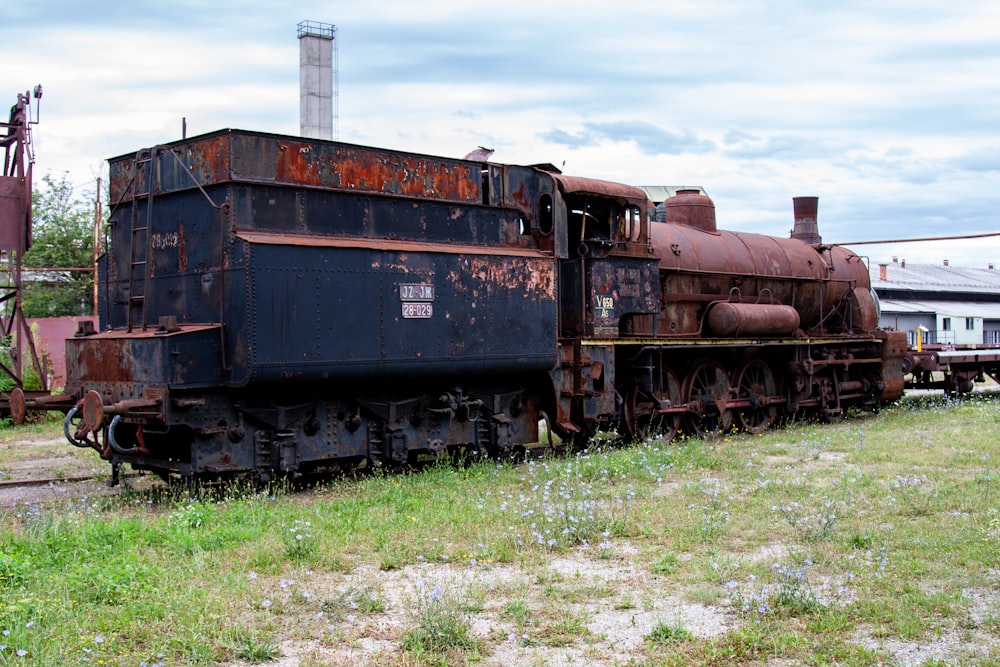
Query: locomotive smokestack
[{"x": 806, "y": 228}]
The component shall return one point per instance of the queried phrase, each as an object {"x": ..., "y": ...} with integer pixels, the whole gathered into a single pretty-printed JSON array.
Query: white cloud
[{"x": 884, "y": 110}]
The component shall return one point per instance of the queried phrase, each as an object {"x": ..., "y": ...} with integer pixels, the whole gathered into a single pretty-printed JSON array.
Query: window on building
[
  {"x": 970, "y": 323},
  {"x": 946, "y": 324}
]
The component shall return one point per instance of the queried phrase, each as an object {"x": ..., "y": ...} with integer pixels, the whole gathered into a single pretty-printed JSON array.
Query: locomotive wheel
[
  {"x": 707, "y": 392},
  {"x": 642, "y": 418},
  {"x": 755, "y": 382}
]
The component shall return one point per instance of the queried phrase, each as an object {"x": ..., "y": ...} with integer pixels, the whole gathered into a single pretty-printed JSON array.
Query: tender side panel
[{"x": 322, "y": 308}]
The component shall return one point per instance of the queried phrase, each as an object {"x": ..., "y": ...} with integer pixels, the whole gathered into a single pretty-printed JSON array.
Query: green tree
[{"x": 62, "y": 231}]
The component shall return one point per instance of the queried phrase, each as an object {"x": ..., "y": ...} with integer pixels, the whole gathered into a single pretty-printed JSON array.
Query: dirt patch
[
  {"x": 951, "y": 646},
  {"x": 609, "y": 607},
  {"x": 30, "y": 457},
  {"x": 611, "y": 624}
]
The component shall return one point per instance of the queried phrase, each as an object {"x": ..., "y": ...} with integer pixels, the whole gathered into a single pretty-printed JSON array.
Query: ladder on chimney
[{"x": 138, "y": 270}]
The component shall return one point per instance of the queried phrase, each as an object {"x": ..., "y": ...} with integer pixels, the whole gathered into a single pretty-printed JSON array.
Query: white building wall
[
  {"x": 959, "y": 328},
  {"x": 909, "y": 322}
]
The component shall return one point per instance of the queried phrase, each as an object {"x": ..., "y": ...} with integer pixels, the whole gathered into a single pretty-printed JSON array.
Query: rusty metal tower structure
[
  {"x": 15, "y": 238},
  {"x": 318, "y": 80}
]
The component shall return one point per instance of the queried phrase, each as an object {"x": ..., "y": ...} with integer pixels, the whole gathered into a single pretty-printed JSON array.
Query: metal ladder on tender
[{"x": 138, "y": 269}]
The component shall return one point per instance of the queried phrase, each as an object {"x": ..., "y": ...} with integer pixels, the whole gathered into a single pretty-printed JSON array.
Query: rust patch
[
  {"x": 532, "y": 280},
  {"x": 107, "y": 361},
  {"x": 521, "y": 198},
  {"x": 575, "y": 184},
  {"x": 182, "y": 258},
  {"x": 372, "y": 170},
  {"x": 13, "y": 212},
  {"x": 251, "y": 157}
]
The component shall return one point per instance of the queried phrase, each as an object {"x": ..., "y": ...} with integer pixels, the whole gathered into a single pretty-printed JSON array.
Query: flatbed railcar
[{"x": 953, "y": 369}]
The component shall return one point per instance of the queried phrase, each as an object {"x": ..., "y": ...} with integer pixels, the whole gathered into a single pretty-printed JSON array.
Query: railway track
[
  {"x": 46, "y": 481},
  {"x": 9, "y": 484}
]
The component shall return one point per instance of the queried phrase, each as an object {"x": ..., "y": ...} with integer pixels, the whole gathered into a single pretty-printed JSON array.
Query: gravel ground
[{"x": 615, "y": 626}]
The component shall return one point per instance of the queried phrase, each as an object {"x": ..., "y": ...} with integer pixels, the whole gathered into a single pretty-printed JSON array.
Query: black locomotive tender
[{"x": 279, "y": 305}]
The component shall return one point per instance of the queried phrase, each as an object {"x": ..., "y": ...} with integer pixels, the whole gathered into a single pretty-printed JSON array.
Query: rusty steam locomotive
[{"x": 279, "y": 305}]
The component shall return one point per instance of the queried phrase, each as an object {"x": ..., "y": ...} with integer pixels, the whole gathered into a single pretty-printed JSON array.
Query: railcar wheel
[
  {"x": 755, "y": 382},
  {"x": 642, "y": 416},
  {"x": 707, "y": 392}
]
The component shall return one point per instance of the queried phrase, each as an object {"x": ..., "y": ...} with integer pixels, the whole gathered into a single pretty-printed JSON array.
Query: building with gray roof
[{"x": 951, "y": 305}]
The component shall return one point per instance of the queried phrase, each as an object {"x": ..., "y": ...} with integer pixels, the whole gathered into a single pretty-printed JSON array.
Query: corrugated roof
[
  {"x": 936, "y": 278},
  {"x": 989, "y": 311}
]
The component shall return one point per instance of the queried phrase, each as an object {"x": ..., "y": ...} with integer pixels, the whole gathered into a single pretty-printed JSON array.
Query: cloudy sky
[{"x": 887, "y": 110}]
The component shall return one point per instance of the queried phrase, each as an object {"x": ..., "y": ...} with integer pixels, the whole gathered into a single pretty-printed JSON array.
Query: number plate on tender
[
  {"x": 416, "y": 292},
  {"x": 418, "y": 311}
]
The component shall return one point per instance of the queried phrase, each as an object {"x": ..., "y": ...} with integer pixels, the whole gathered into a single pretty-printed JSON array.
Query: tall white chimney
[{"x": 317, "y": 74}]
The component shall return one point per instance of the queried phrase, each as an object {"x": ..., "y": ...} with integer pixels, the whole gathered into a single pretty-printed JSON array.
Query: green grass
[
  {"x": 440, "y": 629},
  {"x": 817, "y": 544},
  {"x": 667, "y": 633}
]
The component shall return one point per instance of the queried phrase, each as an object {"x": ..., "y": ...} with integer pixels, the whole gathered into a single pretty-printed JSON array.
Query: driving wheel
[
  {"x": 707, "y": 392},
  {"x": 755, "y": 382}
]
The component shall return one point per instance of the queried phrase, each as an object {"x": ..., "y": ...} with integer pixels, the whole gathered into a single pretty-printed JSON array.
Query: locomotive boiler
[{"x": 278, "y": 305}]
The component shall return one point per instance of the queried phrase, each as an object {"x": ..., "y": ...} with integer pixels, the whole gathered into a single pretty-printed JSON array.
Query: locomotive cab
[{"x": 607, "y": 267}]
